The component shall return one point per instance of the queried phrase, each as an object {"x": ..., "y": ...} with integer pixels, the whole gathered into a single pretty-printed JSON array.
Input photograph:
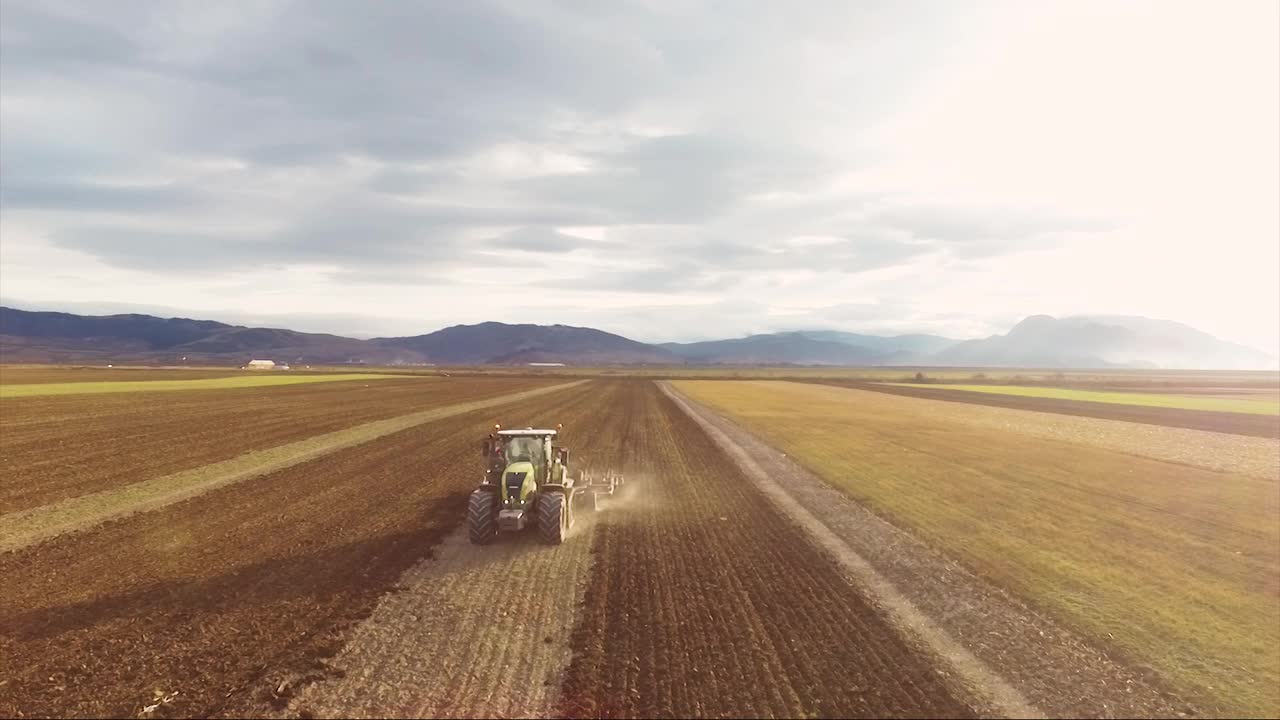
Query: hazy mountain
[
  {"x": 494, "y": 342},
  {"x": 798, "y": 348},
  {"x": 914, "y": 344},
  {"x": 1102, "y": 341},
  {"x": 1037, "y": 341},
  {"x": 136, "y": 330}
]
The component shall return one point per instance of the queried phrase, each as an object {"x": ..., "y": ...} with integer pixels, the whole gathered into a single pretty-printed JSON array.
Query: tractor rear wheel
[
  {"x": 482, "y": 516},
  {"x": 551, "y": 518}
]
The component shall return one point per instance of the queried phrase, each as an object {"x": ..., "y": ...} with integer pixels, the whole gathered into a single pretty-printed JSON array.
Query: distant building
[
  {"x": 261, "y": 365},
  {"x": 546, "y": 364}
]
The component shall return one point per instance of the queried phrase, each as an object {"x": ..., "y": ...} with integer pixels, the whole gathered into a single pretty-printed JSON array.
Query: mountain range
[{"x": 1037, "y": 341}]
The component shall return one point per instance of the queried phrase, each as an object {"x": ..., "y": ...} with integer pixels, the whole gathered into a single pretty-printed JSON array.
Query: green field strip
[
  {"x": 28, "y": 527},
  {"x": 223, "y": 383},
  {"x": 1181, "y": 402}
]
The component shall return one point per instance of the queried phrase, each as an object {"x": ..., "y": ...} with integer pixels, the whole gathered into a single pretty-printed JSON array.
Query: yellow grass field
[
  {"x": 1171, "y": 563},
  {"x": 215, "y": 383}
]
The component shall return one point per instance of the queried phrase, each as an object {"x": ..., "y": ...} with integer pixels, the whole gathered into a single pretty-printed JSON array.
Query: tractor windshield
[{"x": 524, "y": 448}]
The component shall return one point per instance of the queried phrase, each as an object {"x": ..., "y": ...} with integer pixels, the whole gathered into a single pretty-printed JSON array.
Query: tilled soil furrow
[
  {"x": 764, "y": 623},
  {"x": 233, "y": 599}
]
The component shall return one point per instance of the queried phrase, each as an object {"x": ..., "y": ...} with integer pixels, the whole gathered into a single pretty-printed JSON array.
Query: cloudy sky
[{"x": 667, "y": 170}]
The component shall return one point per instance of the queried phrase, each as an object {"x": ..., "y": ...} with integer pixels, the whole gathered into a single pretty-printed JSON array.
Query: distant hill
[
  {"x": 136, "y": 330},
  {"x": 62, "y": 337},
  {"x": 494, "y": 342},
  {"x": 1100, "y": 342},
  {"x": 793, "y": 348},
  {"x": 1037, "y": 341},
  {"x": 894, "y": 349}
]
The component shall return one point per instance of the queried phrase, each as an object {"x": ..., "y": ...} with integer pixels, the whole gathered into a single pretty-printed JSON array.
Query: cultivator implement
[{"x": 590, "y": 488}]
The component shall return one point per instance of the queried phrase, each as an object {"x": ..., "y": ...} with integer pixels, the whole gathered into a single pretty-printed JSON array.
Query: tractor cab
[{"x": 531, "y": 446}]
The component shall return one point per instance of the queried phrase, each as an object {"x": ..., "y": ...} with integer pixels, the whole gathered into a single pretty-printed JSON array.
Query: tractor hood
[{"x": 518, "y": 482}]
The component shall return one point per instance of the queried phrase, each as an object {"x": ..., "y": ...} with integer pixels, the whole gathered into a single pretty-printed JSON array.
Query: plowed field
[
  {"x": 222, "y": 598},
  {"x": 59, "y": 447},
  {"x": 700, "y": 599}
]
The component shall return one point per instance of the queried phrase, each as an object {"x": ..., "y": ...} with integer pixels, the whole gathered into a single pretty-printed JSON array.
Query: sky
[{"x": 665, "y": 170}]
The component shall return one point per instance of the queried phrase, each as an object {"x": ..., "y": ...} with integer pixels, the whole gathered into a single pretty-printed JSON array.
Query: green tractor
[{"x": 527, "y": 483}]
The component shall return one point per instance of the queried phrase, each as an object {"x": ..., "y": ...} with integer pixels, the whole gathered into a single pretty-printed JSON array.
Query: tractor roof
[{"x": 527, "y": 432}]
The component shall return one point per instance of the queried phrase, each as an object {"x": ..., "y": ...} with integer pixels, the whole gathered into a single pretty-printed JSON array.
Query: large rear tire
[
  {"x": 482, "y": 516},
  {"x": 551, "y": 518}
]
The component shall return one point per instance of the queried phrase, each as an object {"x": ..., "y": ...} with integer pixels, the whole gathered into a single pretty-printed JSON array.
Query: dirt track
[{"x": 1265, "y": 426}]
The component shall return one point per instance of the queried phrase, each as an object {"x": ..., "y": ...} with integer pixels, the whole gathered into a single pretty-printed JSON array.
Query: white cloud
[{"x": 669, "y": 172}]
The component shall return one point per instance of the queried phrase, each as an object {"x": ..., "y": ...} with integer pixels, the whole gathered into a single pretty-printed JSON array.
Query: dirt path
[
  {"x": 477, "y": 631},
  {"x": 1012, "y": 655},
  {"x": 27, "y": 527}
]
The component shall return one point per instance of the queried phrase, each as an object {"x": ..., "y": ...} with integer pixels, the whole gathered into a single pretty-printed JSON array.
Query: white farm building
[{"x": 261, "y": 365}]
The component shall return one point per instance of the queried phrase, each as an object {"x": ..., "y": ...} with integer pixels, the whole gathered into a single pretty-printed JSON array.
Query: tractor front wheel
[
  {"x": 482, "y": 516},
  {"x": 552, "y": 518}
]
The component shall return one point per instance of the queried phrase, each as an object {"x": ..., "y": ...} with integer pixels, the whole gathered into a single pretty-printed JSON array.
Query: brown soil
[
  {"x": 704, "y": 601},
  {"x": 1267, "y": 426},
  {"x": 53, "y": 448},
  {"x": 233, "y": 599}
]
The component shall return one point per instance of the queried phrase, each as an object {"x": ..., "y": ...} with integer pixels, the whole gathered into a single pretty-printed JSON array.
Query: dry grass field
[{"x": 1168, "y": 557}]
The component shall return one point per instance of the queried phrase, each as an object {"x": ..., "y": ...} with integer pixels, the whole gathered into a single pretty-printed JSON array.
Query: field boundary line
[
  {"x": 977, "y": 677},
  {"x": 234, "y": 382},
  {"x": 28, "y": 527}
]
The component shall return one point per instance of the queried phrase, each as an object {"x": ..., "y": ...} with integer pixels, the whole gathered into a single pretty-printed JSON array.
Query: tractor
[{"x": 527, "y": 483}]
